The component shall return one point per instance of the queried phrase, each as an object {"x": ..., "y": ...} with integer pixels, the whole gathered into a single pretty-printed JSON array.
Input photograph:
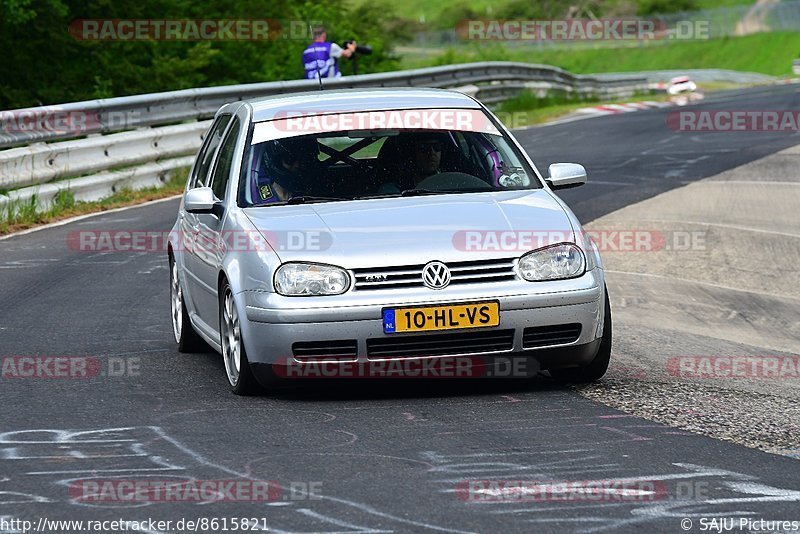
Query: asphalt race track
[{"x": 397, "y": 457}]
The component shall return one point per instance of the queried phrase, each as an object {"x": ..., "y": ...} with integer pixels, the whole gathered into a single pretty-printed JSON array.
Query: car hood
[{"x": 414, "y": 230}]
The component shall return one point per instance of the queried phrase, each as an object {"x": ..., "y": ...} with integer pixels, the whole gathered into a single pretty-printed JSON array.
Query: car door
[
  {"x": 189, "y": 223},
  {"x": 211, "y": 246}
]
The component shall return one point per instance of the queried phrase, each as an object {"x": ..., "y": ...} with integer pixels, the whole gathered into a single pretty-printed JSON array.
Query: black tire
[
  {"x": 189, "y": 341},
  {"x": 240, "y": 379},
  {"x": 599, "y": 365}
]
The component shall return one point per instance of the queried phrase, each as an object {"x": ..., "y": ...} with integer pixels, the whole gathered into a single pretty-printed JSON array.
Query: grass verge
[
  {"x": 17, "y": 216},
  {"x": 767, "y": 53},
  {"x": 432, "y": 12}
]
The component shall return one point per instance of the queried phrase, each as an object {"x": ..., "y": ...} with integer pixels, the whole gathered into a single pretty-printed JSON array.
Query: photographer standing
[{"x": 320, "y": 57}]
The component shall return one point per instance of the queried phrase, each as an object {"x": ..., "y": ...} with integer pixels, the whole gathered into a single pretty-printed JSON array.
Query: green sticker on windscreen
[{"x": 265, "y": 191}]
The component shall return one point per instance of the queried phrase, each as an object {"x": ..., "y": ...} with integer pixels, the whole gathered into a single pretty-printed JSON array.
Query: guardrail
[
  {"x": 115, "y": 114},
  {"x": 40, "y": 163},
  {"x": 151, "y": 129}
]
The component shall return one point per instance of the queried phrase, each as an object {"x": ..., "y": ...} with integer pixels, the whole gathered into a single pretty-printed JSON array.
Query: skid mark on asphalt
[
  {"x": 351, "y": 527},
  {"x": 26, "y": 264},
  {"x": 353, "y": 438},
  {"x": 693, "y": 491},
  {"x": 145, "y": 453},
  {"x": 328, "y": 417},
  {"x": 630, "y": 435},
  {"x": 364, "y": 455},
  {"x": 42, "y": 465}
]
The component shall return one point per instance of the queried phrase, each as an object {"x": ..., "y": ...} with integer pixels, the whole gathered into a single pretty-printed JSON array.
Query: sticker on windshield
[
  {"x": 306, "y": 122},
  {"x": 265, "y": 192}
]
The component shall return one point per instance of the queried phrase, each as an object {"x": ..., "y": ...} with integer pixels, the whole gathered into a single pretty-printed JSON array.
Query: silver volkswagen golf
[{"x": 381, "y": 228}]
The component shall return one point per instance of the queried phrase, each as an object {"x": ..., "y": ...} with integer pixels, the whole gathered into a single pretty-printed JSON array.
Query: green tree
[{"x": 45, "y": 64}]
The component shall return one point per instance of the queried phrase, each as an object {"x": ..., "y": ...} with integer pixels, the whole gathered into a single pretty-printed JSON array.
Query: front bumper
[{"x": 274, "y": 323}]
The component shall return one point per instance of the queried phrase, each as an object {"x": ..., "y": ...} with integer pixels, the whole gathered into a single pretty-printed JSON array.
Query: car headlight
[
  {"x": 555, "y": 262},
  {"x": 310, "y": 279}
]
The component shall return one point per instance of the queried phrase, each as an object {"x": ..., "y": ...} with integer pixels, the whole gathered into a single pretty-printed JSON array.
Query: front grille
[
  {"x": 543, "y": 336},
  {"x": 346, "y": 349},
  {"x": 410, "y": 276},
  {"x": 402, "y": 346}
]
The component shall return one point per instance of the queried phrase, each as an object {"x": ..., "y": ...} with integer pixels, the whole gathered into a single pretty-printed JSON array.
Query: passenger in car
[{"x": 288, "y": 166}]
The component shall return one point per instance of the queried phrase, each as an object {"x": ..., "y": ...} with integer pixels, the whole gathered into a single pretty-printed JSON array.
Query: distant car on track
[
  {"x": 683, "y": 90},
  {"x": 380, "y": 225}
]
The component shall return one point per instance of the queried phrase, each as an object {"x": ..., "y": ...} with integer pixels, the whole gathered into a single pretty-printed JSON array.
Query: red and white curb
[{"x": 610, "y": 109}]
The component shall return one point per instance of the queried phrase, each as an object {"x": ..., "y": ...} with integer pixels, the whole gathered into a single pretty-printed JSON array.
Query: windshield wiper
[
  {"x": 423, "y": 192},
  {"x": 305, "y": 199},
  {"x": 417, "y": 192},
  {"x": 404, "y": 193},
  {"x": 420, "y": 192}
]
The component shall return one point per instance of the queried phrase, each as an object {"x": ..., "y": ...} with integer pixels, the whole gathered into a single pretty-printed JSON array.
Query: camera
[{"x": 364, "y": 50}]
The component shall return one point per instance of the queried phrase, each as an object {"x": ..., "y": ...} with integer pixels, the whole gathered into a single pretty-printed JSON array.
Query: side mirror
[
  {"x": 566, "y": 175},
  {"x": 202, "y": 200}
]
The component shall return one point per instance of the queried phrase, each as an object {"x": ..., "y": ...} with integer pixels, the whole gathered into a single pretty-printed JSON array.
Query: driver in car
[
  {"x": 421, "y": 156},
  {"x": 287, "y": 168},
  {"x": 427, "y": 157}
]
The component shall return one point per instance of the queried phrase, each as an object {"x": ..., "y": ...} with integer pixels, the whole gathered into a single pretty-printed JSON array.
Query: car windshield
[{"x": 357, "y": 164}]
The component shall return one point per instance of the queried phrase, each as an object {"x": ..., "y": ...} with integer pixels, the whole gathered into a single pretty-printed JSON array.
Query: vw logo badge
[{"x": 436, "y": 275}]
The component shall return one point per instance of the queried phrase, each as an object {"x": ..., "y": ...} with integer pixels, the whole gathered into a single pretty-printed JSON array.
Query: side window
[
  {"x": 222, "y": 168},
  {"x": 206, "y": 154}
]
